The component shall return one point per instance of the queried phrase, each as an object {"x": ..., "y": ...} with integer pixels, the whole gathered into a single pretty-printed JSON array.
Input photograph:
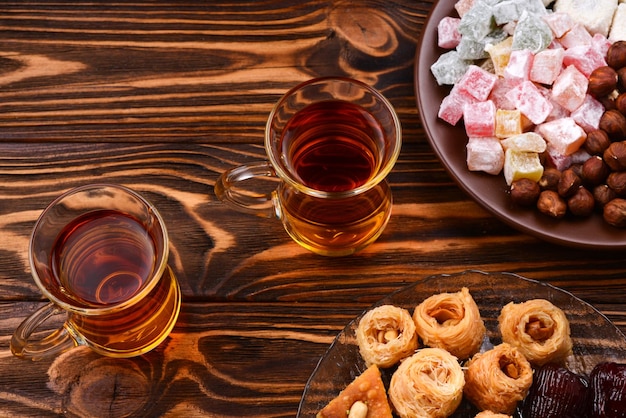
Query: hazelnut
[
  {"x": 551, "y": 204},
  {"x": 525, "y": 192},
  {"x": 594, "y": 171},
  {"x": 614, "y": 124},
  {"x": 621, "y": 79},
  {"x": 581, "y": 203},
  {"x": 620, "y": 103},
  {"x": 614, "y": 213},
  {"x": 616, "y": 55},
  {"x": 597, "y": 141},
  {"x": 603, "y": 194},
  {"x": 617, "y": 182},
  {"x": 550, "y": 179},
  {"x": 569, "y": 183},
  {"x": 615, "y": 156},
  {"x": 602, "y": 81}
]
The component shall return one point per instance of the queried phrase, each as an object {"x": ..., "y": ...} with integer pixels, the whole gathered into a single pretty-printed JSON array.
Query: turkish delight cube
[
  {"x": 547, "y": 65},
  {"x": 478, "y": 21},
  {"x": 500, "y": 54},
  {"x": 471, "y": 49},
  {"x": 530, "y": 101},
  {"x": 559, "y": 23},
  {"x": 521, "y": 164},
  {"x": 463, "y": 6},
  {"x": 563, "y": 135},
  {"x": 451, "y": 107},
  {"x": 569, "y": 88},
  {"x": 595, "y": 15},
  {"x": 508, "y": 123},
  {"x": 448, "y": 35},
  {"x": 520, "y": 63},
  {"x": 585, "y": 58},
  {"x": 480, "y": 118},
  {"x": 449, "y": 68},
  {"x": 618, "y": 27},
  {"x": 499, "y": 93},
  {"x": 505, "y": 11},
  {"x": 477, "y": 82},
  {"x": 588, "y": 114},
  {"x": 485, "y": 154},
  {"x": 526, "y": 142},
  {"x": 578, "y": 35},
  {"x": 531, "y": 33},
  {"x": 601, "y": 44}
]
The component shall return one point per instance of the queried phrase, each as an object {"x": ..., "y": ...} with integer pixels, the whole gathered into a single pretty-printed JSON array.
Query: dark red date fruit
[
  {"x": 556, "y": 392},
  {"x": 607, "y": 384}
]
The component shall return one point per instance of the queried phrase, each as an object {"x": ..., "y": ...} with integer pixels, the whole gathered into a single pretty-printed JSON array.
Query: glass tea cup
[
  {"x": 330, "y": 143},
  {"x": 99, "y": 254}
]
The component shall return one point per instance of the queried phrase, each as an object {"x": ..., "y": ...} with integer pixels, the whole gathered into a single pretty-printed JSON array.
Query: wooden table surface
[{"x": 163, "y": 97}]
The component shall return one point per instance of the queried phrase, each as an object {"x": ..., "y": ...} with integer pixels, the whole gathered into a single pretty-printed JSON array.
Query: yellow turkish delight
[{"x": 521, "y": 164}]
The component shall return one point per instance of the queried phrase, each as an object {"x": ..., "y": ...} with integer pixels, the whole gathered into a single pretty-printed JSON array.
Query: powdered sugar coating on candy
[{"x": 533, "y": 80}]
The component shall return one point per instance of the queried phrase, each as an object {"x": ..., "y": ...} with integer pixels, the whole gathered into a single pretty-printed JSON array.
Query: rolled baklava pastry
[
  {"x": 538, "y": 329},
  {"x": 498, "y": 379},
  {"x": 385, "y": 335},
  {"x": 427, "y": 384},
  {"x": 450, "y": 321}
]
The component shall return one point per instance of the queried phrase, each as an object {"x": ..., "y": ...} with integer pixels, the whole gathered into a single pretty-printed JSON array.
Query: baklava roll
[
  {"x": 429, "y": 384},
  {"x": 498, "y": 379},
  {"x": 385, "y": 335},
  {"x": 451, "y": 321},
  {"x": 538, "y": 329}
]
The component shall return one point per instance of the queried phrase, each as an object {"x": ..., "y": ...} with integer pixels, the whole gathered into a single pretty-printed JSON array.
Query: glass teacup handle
[
  {"x": 228, "y": 190},
  {"x": 48, "y": 346}
]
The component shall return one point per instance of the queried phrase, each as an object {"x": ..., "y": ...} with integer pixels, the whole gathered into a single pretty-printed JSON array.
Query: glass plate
[
  {"x": 491, "y": 192},
  {"x": 595, "y": 338}
]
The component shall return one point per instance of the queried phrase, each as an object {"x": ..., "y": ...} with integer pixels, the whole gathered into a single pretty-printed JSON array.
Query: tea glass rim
[
  {"x": 141, "y": 294},
  {"x": 286, "y": 176}
]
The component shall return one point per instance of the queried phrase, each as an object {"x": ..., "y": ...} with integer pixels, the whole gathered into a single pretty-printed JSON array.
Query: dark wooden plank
[{"x": 201, "y": 72}]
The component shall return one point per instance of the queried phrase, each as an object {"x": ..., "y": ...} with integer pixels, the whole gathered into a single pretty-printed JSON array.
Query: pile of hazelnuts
[{"x": 599, "y": 183}]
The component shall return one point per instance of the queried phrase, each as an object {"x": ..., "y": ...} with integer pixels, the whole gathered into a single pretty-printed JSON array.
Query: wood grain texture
[{"x": 163, "y": 97}]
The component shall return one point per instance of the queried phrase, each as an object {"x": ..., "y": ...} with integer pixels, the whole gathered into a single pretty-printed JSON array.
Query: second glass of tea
[{"x": 331, "y": 142}]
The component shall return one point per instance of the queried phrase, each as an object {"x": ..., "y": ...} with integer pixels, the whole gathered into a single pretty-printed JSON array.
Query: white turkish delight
[
  {"x": 618, "y": 27},
  {"x": 595, "y": 15}
]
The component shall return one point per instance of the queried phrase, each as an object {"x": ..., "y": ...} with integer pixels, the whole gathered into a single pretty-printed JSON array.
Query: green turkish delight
[
  {"x": 449, "y": 68},
  {"x": 507, "y": 11},
  {"x": 478, "y": 22},
  {"x": 532, "y": 33}
]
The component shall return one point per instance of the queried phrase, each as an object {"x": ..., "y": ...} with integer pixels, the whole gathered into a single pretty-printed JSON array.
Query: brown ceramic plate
[
  {"x": 490, "y": 191},
  {"x": 594, "y": 337}
]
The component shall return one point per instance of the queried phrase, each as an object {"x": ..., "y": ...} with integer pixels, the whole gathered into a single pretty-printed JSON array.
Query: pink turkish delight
[
  {"x": 588, "y": 115},
  {"x": 485, "y": 154},
  {"x": 563, "y": 135},
  {"x": 477, "y": 82},
  {"x": 451, "y": 108},
  {"x": 577, "y": 35},
  {"x": 560, "y": 23},
  {"x": 448, "y": 35},
  {"x": 519, "y": 65},
  {"x": 499, "y": 92},
  {"x": 569, "y": 88},
  {"x": 480, "y": 119},
  {"x": 547, "y": 65},
  {"x": 530, "y": 101},
  {"x": 585, "y": 58}
]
